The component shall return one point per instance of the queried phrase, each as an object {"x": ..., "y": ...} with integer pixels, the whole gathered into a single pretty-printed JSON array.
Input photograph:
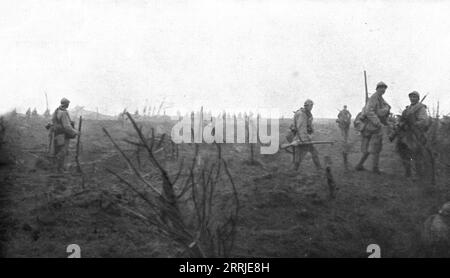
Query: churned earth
[{"x": 283, "y": 213}]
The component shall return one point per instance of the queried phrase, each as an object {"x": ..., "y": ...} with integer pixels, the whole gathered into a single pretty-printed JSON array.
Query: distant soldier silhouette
[
  {"x": 370, "y": 122},
  {"x": 411, "y": 139},
  {"x": 344, "y": 119},
  {"x": 28, "y": 113},
  {"x": 302, "y": 129},
  {"x": 63, "y": 130}
]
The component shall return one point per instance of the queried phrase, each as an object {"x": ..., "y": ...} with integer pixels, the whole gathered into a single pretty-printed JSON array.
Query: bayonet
[{"x": 365, "y": 85}]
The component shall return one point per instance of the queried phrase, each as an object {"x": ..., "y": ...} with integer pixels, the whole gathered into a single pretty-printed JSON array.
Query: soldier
[
  {"x": 303, "y": 130},
  {"x": 411, "y": 139},
  {"x": 344, "y": 119},
  {"x": 436, "y": 233},
  {"x": 373, "y": 117},
  {"x": 28, "y": 113},
  {"x": 63, "y": 130}
]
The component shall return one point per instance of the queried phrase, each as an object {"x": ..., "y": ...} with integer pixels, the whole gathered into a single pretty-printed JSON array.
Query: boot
[
  {"x": 61, "y": 163},
  {"x": 376, "y": 161},
  {"x": 298, "y": 160},
  {"x": 316, "y": 161},
  {"x": 359, "y": 166}
]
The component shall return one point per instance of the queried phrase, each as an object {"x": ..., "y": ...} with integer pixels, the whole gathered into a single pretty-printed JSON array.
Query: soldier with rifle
[
  {"x": 410, "y": 134},
  {"x": 344, "y": 119},
  {"x": 301, "y": 132},
  {"x": 61, "y": 131},
  {"x": 370, "y": 122}
]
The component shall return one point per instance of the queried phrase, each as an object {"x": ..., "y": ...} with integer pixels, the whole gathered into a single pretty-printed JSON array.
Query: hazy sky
[{"x": 232, "y": 55}]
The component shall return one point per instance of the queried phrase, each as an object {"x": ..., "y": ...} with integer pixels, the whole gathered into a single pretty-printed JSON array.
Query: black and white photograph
[{"x": 228, "y": 129}]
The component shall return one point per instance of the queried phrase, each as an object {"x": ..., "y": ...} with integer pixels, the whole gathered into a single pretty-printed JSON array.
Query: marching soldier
[
  {"x": 303, "y": 124},
  {"x": 373, "y": 117},
  {"x": 63, "y": 130},
  {"x": 344, "y": 119},
  {"x": 410, "y": 133}
]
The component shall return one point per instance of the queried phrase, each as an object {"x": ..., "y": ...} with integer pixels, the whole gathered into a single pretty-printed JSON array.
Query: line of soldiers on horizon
[
  {"x": 409, "y": 132},
  {"x": 33, "y": 113}
]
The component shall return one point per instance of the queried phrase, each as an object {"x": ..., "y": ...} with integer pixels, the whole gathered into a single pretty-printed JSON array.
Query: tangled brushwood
[
  {"x": 442, "y": 146},
  {"x": 183, "y": 207},
  {"x": 2, "y": 137},
  {"x": 9, "y": 135}
]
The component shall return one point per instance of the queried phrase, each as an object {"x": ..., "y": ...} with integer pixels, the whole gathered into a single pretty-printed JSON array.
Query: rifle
[
  {"x": 424, "y": 97},
  {"x": 437, "y": 110},
  {"x": 420, "y": 138},
  {"x": 402, "y": 123},
  {"x": 365, "y": 85},
  {"x": 51, "y": 138},
  {"x": 78, "y": 146},
  {"x": 304, "y": 143}
]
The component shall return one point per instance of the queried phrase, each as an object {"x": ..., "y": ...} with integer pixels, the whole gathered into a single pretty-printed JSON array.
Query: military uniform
[
  {"x": 436, "y": 233},
  {"x": 303, "y": 121},
  {"x": 63, "y": 131},
  {"x": 374, "y": 116},
  {"x": 344, "y": 119},
  {"x": 417, "y": 114},
  {"x": 411, "y": 140}
]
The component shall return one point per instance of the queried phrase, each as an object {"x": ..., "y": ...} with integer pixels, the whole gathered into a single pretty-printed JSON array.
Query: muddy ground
[{"x": 283, "y": 213}]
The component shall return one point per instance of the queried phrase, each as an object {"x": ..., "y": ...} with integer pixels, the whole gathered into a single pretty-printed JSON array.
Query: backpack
[
  {"x": 292, "y": 129},
  {"x": 359, "y": 122},
  {"x": 58, "y": 128}
]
